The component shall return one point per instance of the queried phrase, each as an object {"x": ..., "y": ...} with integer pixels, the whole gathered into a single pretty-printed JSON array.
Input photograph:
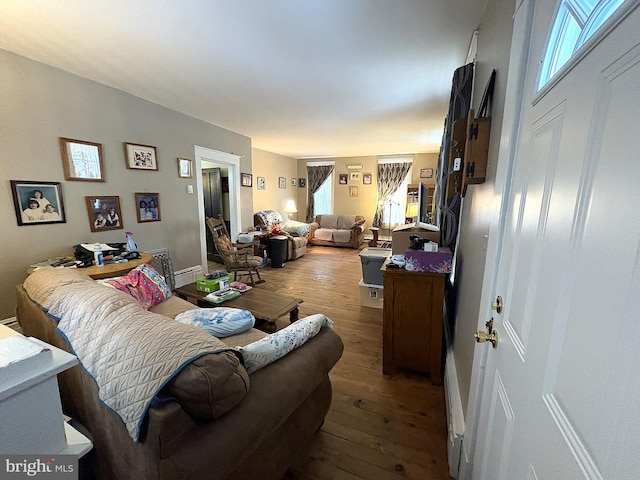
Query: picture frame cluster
[{"x": 42, "y": 202}]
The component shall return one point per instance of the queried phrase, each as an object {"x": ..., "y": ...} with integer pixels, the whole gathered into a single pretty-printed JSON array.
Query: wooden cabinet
[{"x": 412, "y": 325}]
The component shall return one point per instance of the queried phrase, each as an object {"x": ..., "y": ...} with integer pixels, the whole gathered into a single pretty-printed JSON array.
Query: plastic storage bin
[
  {"x": 371, "y": 295},
  {"x": 372, "y": 259}
]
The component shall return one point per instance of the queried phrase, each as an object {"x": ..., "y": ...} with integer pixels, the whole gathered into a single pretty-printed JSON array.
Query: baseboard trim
[{"x": 455, "y": 413}]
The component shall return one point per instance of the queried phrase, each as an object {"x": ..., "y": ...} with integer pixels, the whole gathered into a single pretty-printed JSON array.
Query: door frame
[
  {"x": 232, "y": 162},
  {"x": 521, "y": 37}
]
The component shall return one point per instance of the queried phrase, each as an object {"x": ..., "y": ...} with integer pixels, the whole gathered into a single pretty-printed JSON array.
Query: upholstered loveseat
[
  {"x": 337, "y": 230},
  {"x": 207, "y": 416},
  {"x": 297, "y": 233}
]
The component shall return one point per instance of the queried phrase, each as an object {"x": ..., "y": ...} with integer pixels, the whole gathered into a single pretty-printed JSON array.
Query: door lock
[
  {"x": 498, "y": 304},
  {"x": 490, "y": 335}
]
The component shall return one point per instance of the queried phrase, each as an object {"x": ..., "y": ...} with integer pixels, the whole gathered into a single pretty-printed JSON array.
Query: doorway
[{"x": 207, "y": 158}]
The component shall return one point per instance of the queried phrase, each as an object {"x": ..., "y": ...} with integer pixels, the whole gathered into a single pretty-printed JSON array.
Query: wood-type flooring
[{"x": 379, "y": 427}]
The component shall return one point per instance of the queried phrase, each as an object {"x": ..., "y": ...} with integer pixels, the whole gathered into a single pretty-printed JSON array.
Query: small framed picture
[
  {"x": 294, "y": 182},
  {"x": 104, "y": 213},
  {"x": 141, "y": 157},
  {"x": 262, "y": 183},
  {"x": 148, "y": 207},
  {"x": 185, "y": 168},
  {"x": 302, "y": 182},
  {"x": 354, "y": 177},
  {"x": 426, "y": 173},
  {"x": 38, "y": 203},
  {"x": 366, "y": 179},
  {"x": 353, "y": 191},
  {"x": 282, "y": 182},
  {"x": 81, "y": 160},
  {"x": 246, "y": 179},
  {"x": 342, "y": 179}
]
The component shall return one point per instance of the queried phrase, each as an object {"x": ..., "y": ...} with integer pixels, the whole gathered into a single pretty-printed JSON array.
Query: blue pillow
[{"x": 220, "y": 321}]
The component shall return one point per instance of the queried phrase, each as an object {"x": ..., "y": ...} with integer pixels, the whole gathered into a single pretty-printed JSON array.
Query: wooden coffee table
[{"x": 264, "y": 305}]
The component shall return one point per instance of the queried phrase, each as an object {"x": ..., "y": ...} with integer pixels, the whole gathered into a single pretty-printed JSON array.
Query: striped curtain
[
  {"x": 315, "y": 178},
  {"x": 390, "y": 177}
]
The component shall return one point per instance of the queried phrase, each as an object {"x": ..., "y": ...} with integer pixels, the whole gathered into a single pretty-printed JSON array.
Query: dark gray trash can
[{"x": 278, "y": 250}]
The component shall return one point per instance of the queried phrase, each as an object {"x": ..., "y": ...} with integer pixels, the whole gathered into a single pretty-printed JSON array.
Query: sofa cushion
[
  {"x": 209, "y": 386},
  {"x": 325, "y": 234},
  {"x": 172, "y": 307},
  {"x": 345, "y": 222},
  {"x": 328, "y": 221},
  {"x": 341, "y": 236},
  {"x": 220, "y": 321}
]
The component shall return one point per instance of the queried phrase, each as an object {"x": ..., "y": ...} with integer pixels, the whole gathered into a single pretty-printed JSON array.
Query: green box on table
[{"x": 203, "y": 284}]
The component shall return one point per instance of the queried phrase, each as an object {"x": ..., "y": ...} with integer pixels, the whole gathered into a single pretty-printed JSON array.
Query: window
[
  {"x": 576, "y": 21},
  {"x": 323, "y": 198},
  {"x": 396, "y": 205}
]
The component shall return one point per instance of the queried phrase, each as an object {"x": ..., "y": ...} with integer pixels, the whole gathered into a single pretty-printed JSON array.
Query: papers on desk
[{"x": 92, "y": 247}]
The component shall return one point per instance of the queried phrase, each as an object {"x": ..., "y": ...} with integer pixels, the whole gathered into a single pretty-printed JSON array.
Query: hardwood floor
[{"x": 379, "y": 426}]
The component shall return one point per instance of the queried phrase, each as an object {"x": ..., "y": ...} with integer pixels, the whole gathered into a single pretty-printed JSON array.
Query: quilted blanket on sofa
[{"x": 130, "y": 352}]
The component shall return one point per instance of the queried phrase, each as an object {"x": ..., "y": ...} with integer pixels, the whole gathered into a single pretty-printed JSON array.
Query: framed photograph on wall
[
  {"x": 141, "y": 157},
  {"x": 294, "y": 182},
  {"x": 246, "y": 179},
  {"x": 366, "y": 178},
  {"x": 104, "y": 213},
  {"x": 302, "y": 182},
  {"x": 426, "y": 173},
  {"x": 38, "y": 203},
  {"x": 148, "y": 207},
  {"x": 262, "y": 183},
  {"x": 185, "y": 168},
  {"x": 282, "y": 182},
  {"x": 81, "y": 160},
  {"x": 354, "y": 177},
  {"x": 353, "y": 191},
  {"x": 342, "y": 179}
]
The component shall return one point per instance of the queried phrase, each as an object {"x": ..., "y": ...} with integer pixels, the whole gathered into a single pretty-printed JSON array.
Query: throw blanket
[{"x": 130, "y": 352}]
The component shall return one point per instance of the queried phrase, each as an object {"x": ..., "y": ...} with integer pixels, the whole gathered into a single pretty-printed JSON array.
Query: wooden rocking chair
[{"x": 237, "y": 258}]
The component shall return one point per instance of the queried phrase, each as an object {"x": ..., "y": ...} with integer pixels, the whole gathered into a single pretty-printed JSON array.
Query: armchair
[
  {"x": 297, "y": 233},
  {"x": 236, "y": 258}
]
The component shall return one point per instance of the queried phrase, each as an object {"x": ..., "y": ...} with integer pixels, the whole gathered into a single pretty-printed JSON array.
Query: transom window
[{"x": 576, "y": 21}]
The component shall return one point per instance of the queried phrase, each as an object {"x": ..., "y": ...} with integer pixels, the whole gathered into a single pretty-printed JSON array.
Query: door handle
[{"x": 490, "y": 335}]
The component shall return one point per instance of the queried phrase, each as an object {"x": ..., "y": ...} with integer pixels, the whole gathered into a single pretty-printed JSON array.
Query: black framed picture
[
  {"x": 38, "y": 203},
  {"x": 302, "y": 182},
  {"x": 246, "y": 179}
]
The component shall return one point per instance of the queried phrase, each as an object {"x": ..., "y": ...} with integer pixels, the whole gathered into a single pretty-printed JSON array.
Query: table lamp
[
  {"x": 412, "y": 210},
  {"x": 290, "y": 209}
]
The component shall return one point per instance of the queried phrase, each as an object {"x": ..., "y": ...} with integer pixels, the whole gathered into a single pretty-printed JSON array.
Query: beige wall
[
  {"x": 494, "y": 43},
  {"x": 38, "y": 104},
  {"x": 365, "y": 203},
  {"x": 272, "y": 166}
]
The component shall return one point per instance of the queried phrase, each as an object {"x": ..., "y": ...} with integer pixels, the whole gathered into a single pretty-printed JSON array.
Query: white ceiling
[{"x": 302, "y": 78}]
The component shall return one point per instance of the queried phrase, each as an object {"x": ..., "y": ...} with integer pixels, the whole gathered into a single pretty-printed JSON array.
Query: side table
[{"x": 374, "y": 241}]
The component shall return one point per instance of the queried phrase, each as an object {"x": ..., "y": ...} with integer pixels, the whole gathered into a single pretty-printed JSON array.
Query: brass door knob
[{"x": 482, "y": 337}]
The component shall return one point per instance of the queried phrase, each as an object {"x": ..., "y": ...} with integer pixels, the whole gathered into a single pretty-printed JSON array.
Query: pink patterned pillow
[{"x": 145, "y": 284}]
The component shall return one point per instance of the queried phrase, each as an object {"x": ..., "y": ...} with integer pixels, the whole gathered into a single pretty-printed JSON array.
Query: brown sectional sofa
[{"x": 212, "y": 420}]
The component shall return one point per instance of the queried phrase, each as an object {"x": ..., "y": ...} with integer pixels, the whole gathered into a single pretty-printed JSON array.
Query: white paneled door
[{"x": 561, "y": 392}]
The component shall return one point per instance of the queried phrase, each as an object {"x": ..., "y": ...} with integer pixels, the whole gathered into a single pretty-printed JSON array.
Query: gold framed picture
[
  {"x": 104, "y": 213},
  {"x": 81, "y": 161},
  {"x": 185, "y": 168}
]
